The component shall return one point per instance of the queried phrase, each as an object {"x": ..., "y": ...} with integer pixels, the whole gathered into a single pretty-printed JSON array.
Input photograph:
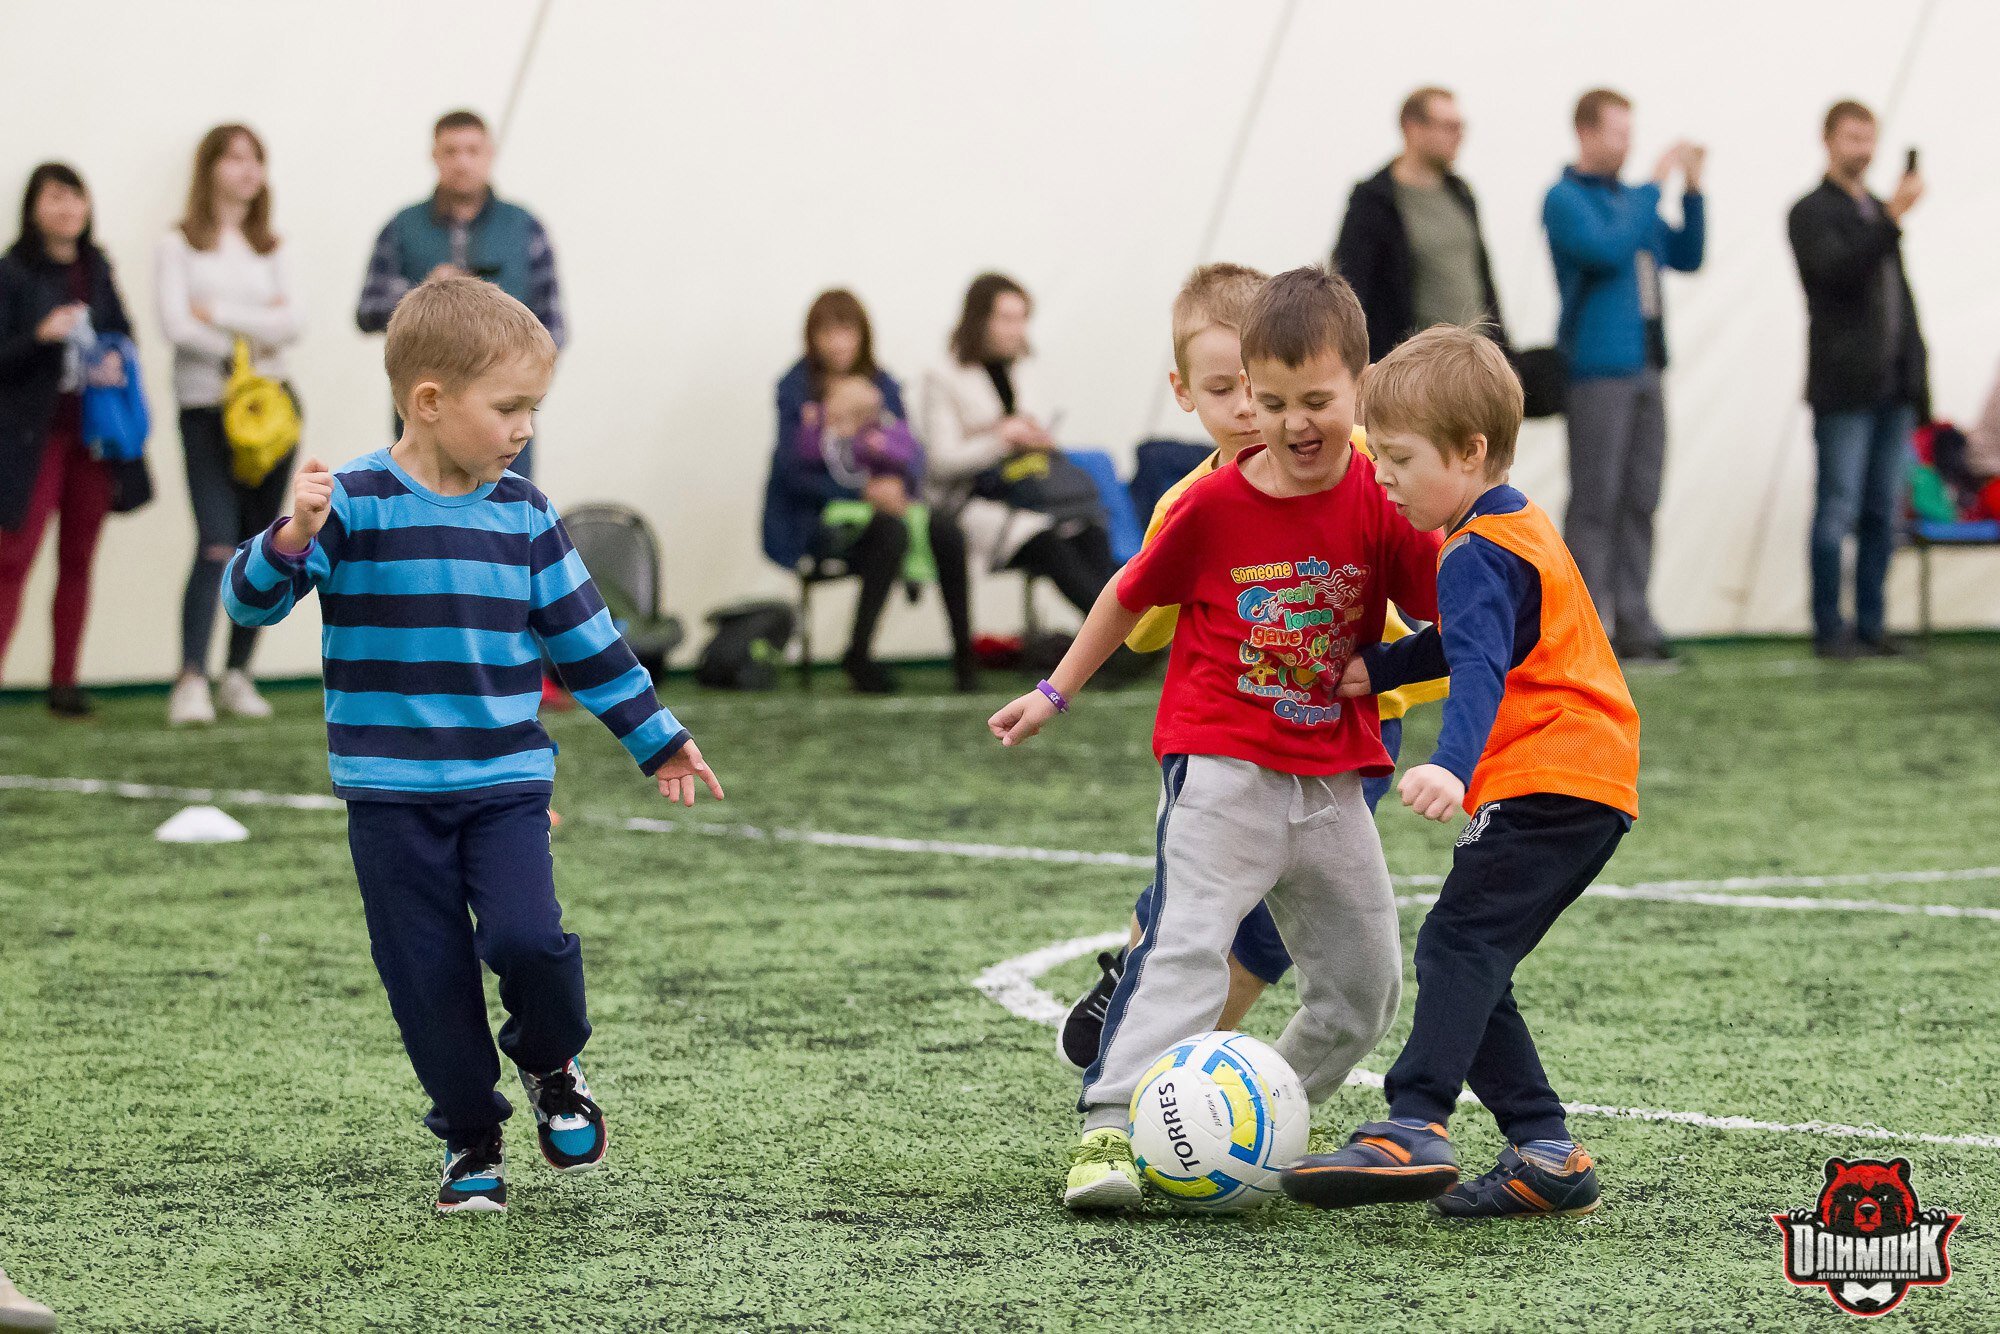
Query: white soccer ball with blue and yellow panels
[{"x": 1215, "y": 1119}]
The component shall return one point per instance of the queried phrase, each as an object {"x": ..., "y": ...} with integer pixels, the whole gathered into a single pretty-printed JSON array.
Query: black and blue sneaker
[
  {"x": 569, "y": 1125},
  {"x": 1520, "y": 1186},
  {"x": 475, "y": 1178},
  {"x": 1381, "y": 1163},
  {"x": 1083, "y": 1027}
]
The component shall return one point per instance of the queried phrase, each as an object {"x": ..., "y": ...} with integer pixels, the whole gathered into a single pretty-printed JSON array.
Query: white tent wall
[{"x": 706, "y": 169}]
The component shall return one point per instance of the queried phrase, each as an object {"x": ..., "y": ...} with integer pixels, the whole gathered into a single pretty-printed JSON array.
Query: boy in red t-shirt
[{"x": 1282, "y": 564}]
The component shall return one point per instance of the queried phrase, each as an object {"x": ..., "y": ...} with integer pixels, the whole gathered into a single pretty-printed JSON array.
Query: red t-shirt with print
[{"x": 1275, "y": 596}]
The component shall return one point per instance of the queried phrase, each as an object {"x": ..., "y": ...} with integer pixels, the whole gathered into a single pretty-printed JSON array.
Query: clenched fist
[{"x": 312, "y": 501}]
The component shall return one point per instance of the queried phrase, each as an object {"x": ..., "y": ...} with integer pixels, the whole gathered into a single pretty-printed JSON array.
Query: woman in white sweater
[
  {"x": 220, "y": 279},
  {"x": 982, "y": 406}
]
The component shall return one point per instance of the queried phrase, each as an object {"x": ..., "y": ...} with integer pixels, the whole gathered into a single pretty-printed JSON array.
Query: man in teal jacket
[
  {"x": 464, "y": 229},
  {"x": 1610, "y": 243}
]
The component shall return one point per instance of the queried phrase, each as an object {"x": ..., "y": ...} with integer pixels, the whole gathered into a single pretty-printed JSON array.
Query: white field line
[
  {"x": 97, "y": 787},
  {"x": 1726, "y": 893},
  {"x": 1012, "y": 983}
]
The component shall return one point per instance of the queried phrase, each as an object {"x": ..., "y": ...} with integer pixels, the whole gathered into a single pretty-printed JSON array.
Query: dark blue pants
[
  {"x": 428, "y": 872},
  {"x": 1258, "y": 946},
  {"x": 1863, "y": 458},
  {"x": 1517, "y": 866}
]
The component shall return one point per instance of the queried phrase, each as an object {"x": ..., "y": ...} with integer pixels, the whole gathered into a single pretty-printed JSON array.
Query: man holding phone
[
  {"x": 463, "y": 229},
  {"x": 1866, "y": 376}
]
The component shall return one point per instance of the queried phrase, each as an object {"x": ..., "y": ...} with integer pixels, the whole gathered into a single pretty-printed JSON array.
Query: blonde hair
[
  {"x": 1447, "y": 384},
  {"x": 1213, "y": 294},
  {"x": 454, "y": 330}
]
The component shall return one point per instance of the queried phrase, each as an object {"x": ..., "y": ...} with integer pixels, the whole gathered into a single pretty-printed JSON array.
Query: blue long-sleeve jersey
[
  {"x": 1490, "y": 608},
  {"x": 435, "y": 611}
]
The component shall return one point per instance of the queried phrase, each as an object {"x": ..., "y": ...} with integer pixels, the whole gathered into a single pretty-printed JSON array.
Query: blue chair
[
  {"x": 1929, "y": 534},
  {"x": 1125, "y": 529}
]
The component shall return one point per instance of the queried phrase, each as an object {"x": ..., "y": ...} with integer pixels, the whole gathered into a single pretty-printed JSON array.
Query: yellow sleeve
[
  {"x": 1155, "y": 629},
  {"x": 1401, "y": 700}
]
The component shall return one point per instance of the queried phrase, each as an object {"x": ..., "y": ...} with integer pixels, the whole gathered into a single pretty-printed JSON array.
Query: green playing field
[{"x": 820, "y": 1122}]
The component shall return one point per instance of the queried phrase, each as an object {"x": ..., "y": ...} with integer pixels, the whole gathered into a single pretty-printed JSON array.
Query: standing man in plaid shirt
[{"x": 464, "y": 229}]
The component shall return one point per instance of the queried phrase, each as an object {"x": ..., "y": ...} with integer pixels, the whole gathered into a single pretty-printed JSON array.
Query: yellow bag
[{"x": 259, "y": 420}]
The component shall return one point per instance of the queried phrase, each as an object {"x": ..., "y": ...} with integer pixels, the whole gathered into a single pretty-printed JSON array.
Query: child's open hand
[
  {"x": 1354, "y": 682},
  {"x": 678, "y": 775},
  {"x": 1021, "y": 719},
  {"x": 1432, "y": 791}
]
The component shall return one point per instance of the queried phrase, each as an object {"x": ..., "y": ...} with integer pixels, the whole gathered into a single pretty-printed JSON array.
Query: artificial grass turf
[{"x": 818, "y": 1123}]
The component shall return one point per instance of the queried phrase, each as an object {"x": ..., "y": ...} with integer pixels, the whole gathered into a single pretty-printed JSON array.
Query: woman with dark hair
[
  {"x": 842, "y": 438},
  {"x": 56, "y": 296},
  {"x": 982, "y": 407},
  {"x": 220, "y": 279}
]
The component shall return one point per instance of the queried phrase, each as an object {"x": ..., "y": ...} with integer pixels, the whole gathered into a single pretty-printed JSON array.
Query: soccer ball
[{"x": 1214, "y": 1120}]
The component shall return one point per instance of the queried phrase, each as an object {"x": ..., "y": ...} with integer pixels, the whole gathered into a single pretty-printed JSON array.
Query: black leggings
[
  {"x": 1078, "y": 566},
  {"x": 876, "y": 555},
  {"x": 226, "y": 513}
]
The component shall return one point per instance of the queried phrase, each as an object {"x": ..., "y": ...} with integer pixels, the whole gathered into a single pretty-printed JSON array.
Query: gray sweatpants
[
  {"x": 1617, "y": 455},
  {"x": 1231, "y": 834}
]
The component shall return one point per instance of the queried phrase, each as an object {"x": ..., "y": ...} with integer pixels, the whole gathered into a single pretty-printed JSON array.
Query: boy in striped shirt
[{"x": 442, "y": 579}]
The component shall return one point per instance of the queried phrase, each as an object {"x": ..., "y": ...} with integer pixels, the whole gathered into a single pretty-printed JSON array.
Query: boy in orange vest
[{"x": 1540, "y": 745}]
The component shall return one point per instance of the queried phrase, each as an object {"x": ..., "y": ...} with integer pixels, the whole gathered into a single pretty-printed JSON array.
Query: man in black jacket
[
  {"x": 1866, "y": 376},
  {"x": 1410, "y": 244}
]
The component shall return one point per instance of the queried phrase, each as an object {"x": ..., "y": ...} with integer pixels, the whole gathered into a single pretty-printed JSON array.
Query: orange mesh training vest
[{"x": 1566, "y": 723}]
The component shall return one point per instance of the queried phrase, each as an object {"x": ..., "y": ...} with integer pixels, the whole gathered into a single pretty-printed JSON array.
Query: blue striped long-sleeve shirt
[{"x": 435, "y": 610}]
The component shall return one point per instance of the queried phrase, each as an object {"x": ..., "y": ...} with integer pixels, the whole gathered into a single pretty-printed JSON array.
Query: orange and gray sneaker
[
  {"x": 1522, "y": 1186},
  {"x": 1382, "y": 1163}
]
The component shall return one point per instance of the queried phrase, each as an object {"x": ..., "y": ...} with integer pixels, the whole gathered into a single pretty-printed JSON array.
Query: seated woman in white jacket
[
  {"x": 220, "y": 279},
  {"x": 979, "y": 408}
]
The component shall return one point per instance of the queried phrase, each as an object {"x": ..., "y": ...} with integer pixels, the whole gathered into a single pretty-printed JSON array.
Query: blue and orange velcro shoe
[
  {"x": 1520, "y": 1187},
  {"x": 1382, "y": 1163}
]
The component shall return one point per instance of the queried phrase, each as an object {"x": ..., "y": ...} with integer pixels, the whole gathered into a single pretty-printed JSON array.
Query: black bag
[
  {"x": 1047, "y": 482},
  {"x": 131, "y": 485},
  {"x": 748, "y": 646},
  {"x": 1544, "y": 373}
]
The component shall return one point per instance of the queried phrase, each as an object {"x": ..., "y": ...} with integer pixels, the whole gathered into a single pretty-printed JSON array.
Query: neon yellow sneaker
[{"x": 1102, "y": 1173}]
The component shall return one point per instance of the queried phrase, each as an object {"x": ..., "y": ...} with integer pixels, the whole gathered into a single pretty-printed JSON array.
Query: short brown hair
[
  {"x": 454, "y": 330},
  {"x": 1448, "y": 384},
  {"x": 1417, "y": 106},
  {"x": 1213, "y": 294},
  {"x": 459, "y": 120},
  {"x": 1591, "y": 106},
  {"x": 1846, "y": 109},
  {"x": 1303, "y": 312}
]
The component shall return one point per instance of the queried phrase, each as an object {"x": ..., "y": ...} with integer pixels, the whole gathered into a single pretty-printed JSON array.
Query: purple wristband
[{"x": 1053, "y": 696}]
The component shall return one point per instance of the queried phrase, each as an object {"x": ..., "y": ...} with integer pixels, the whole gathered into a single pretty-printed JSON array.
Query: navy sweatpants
[
  {"x": 1517, "y": 866},
  {"x": 447, "y": 886}
]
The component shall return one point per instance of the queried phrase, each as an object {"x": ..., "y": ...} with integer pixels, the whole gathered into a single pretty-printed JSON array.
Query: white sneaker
[
  {"x": 190, "y": 702},
  {"x": 238, "y": 695},
  {"x": 17, "y": 1312}
]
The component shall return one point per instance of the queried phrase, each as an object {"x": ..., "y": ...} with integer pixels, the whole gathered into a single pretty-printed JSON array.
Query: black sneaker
[
  {"x": 569, "y": 1125},
  {"x": 1654, "y": 654},
  {"x": 1884, "y": 647},
  {"x": 69, "y": 702},
  {"x": 1083, "y": 1027},
  {"x": 869, "y": 676},
  {"x": 475, "y": 1178},
  {"x": 1836, "y": 650}
]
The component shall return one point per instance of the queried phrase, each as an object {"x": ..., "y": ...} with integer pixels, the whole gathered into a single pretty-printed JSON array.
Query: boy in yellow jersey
[{"x": 1207, "y": 380}]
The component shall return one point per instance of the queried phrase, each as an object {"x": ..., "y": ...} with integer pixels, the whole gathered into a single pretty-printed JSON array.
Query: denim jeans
[{"x": 1862, "y": 455}]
